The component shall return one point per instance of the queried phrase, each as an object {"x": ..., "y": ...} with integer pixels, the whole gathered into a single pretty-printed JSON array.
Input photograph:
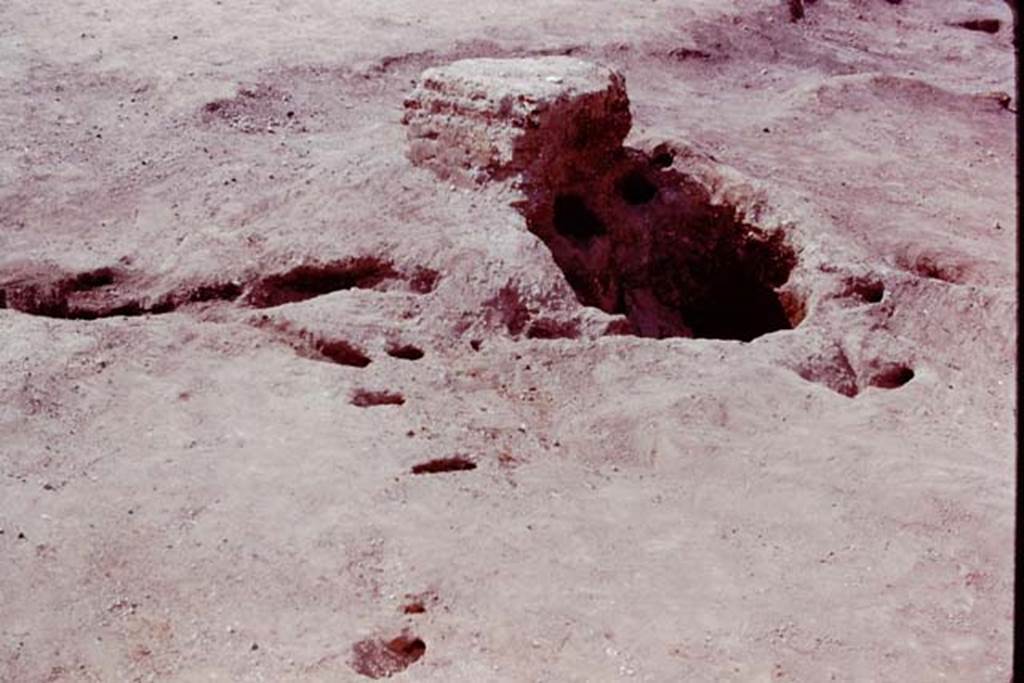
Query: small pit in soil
[
  {"x": 864, "y": 290},
  {"x": 313, "y": 280},
  {"x": 365, "y": 398},
  {"x": 406, "y": 352},
  {"x": 93, "y": 279},
  {"x": 650, "y": 245},
  {"x": 379, "y": 658},
  {"x": 342, "y": 353},
  {"x": 456, "y": 463},
  {"x": 414, "y": 608},
  {"x": 982, "y": 25},
  {"x": 891, "y": 376}
]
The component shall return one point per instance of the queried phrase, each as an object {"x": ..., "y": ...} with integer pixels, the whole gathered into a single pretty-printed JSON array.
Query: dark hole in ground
[
  {"x": 796, "y": 10},
  {"x": 377, "y": 658},
  {"x": 406, "y": 352},
  {"x": 342, "y": 353},
  {"x": 456, "y": 463},
  {"x": 892, "y": 376},
  {"x": 365, "y": 398},
  {"x": 865, "y": 290},
  {"x": 662, "y": 160},
  {"x": 312, "y": 280},
  {"x": 636, "y": 189},
  {"x": 678, "y": 267},
  {"x": 93, "y": 279},
  {"x": 414, "y": 608},
  {"x": 983, "y": 25},
  {"x": 573, "y": 219}
]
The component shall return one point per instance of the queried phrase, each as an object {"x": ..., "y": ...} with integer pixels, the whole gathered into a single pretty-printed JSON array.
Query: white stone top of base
[
  {"x": 482, "y": 119},
  {"x": 537, "y": 78}
]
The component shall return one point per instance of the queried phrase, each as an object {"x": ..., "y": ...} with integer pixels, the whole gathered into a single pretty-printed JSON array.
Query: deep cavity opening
[
  {"x": 677, "y": 267},
  {"x": 573, "y": 219},
  {"x": 635, "y": 188},
  {"x": 456, "y": 463}
]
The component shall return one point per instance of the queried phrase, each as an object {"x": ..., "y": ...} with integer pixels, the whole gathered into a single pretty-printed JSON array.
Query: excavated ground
[{"x": 278, "y": 405}]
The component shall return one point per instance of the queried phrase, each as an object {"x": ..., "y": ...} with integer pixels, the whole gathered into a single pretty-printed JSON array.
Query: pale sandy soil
[{"x": 189, "y": 493}]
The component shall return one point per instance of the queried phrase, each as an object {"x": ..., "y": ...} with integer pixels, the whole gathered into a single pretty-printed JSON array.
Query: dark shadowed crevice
[
  {"x": 93, "y": 279},
  {"x": 649, "y": 244},
  {"x": 982, "y": 25},
  {"x": 863, "y": 290},
  {"x": 635, "y": 188},
  {"x": 456, "y": 463},
  {"x": 573, "y": 219},
  {"x": 312, "y": 280},
  {"x": 406, "y": 352},
  {"x": 341, "y": 352}
]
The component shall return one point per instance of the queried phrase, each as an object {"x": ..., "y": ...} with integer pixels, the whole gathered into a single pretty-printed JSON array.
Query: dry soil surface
[{"x": 278, "y": 405}]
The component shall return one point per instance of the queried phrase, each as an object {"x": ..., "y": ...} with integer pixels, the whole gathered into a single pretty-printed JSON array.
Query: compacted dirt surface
[{"x": 282, "y": 399}]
